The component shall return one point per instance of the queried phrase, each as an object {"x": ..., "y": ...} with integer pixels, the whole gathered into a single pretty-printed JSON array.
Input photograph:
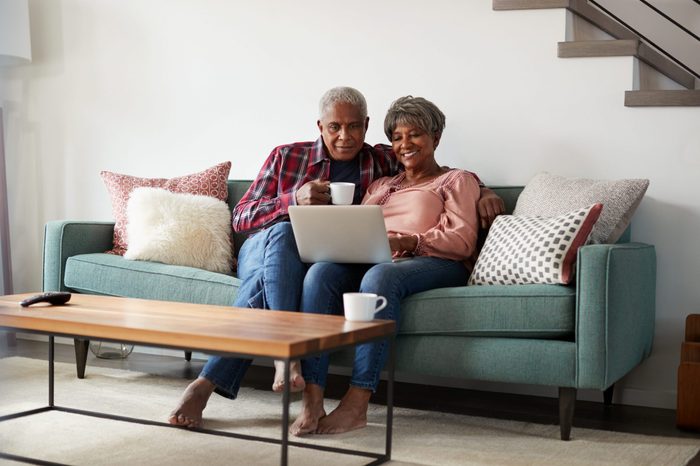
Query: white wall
[{"x": 165, "y": 87}]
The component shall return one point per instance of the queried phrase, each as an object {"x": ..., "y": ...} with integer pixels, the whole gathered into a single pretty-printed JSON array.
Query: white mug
[
  {"x": 342, "y": 193},
  {"x": 362, "y": 306}
]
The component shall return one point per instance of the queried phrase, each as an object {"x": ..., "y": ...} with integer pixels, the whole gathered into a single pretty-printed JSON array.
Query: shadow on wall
[
  {"x": 33, "y": 171},
  {"x": 672, "y": 228},
  {"x": 47, "y": 38}
]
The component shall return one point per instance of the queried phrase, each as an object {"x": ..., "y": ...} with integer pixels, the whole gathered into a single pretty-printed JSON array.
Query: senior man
[{"x": 269, "y": 266}]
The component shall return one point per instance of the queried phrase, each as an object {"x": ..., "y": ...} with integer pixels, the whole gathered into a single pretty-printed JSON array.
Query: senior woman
[{"x": 431, "y": 215}]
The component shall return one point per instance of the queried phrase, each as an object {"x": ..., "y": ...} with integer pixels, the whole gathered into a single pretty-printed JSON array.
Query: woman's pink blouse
[{"x": 441, "y": 212}]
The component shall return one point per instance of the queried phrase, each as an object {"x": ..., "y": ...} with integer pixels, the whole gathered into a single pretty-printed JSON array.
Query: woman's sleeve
[{"x": 455, "y": 235}]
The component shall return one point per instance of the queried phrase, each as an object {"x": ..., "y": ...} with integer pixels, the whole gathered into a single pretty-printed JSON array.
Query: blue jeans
[
  {"x": 326, "y": 282},
  {"x": 272, "y": 275}
]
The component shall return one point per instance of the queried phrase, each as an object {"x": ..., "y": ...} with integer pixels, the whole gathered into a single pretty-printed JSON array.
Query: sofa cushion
[
  {"x": 511, "y": 360},
  {"x": 112, "y": 275},
  {"x": 516, "y": 311}
]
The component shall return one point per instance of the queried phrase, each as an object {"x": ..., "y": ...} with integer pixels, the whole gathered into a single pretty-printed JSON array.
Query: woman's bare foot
[
  {"x": 189, "y": 412},
  {"x": 350, "y": 414},
  {"x": 311, "y": 411},
  {"x": 296, "y": 380}
]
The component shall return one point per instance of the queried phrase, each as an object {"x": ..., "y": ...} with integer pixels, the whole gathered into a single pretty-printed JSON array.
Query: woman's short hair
[
  {"x": 342, "y": 95},
  {"x": 414, "y": 111}
]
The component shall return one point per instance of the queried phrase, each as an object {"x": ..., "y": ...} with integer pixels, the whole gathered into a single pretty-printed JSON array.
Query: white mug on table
[{"x": 362, "y": 306}]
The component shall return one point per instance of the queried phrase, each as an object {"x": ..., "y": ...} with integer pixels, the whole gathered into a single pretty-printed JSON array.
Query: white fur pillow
[{"x": 179, "y": 229}]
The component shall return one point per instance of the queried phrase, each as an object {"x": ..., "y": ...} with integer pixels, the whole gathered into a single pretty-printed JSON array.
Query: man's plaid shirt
[{"x": 288, "y": 168}]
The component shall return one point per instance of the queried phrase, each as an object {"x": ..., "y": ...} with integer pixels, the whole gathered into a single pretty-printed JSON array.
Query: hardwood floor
[{"x": 619, "y": 418}]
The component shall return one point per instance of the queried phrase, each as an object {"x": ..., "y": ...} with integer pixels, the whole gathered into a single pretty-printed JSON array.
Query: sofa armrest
[
  {"x": 615, "y": 311},
  {"x": 63, "y": 239}
]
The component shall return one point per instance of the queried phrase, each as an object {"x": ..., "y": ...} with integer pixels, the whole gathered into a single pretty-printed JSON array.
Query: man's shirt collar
[{"x": 319, "y": 152}]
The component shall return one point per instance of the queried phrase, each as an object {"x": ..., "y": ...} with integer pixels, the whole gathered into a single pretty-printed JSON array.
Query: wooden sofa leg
[
  {"x": 188, "y": 355},
  {"x": 608, "y": 395},
  {"x": 567, "y": 402},
  {"x": 81, "y": 350}
]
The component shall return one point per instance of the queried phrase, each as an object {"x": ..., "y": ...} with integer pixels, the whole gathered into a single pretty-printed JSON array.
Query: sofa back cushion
[
  {"x": 237, "y": 188},
  {"x": 509, "y": 194}
]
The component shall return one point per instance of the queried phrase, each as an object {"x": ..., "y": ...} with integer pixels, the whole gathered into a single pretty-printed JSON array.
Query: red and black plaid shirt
[{"x": 288, "y": 168}]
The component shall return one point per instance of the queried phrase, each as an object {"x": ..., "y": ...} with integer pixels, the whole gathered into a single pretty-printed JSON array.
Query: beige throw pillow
[
  {"x": 179, "y": 229},
  {"x": 548, "y": 195}
]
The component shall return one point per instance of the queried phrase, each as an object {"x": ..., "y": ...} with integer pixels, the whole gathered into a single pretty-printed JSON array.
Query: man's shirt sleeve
[{"x": 262, "y": 204}]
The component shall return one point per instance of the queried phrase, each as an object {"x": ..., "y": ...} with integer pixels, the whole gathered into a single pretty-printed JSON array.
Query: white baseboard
[{"x": 622, "y": 395}]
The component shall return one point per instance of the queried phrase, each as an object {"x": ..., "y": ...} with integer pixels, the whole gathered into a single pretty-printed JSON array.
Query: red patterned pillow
[{"x": 210, "y": 182}]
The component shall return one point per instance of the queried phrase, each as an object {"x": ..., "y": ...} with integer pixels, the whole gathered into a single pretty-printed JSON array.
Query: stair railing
[{"x": 649, "y": 41}]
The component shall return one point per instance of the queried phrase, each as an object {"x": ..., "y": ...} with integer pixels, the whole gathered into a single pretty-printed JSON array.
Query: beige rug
[{"x": 420, "y": 437}]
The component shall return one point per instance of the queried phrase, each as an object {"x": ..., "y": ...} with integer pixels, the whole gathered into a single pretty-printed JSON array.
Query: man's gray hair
[
  {"x": 342, "y": 95},
  {"x": 414, "y": 111}
]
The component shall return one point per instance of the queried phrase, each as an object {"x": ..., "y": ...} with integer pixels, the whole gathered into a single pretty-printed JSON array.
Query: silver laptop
[{"x": 353, "y": 234}]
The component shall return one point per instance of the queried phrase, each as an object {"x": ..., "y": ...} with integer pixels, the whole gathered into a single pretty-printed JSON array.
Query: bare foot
[
  {"x": 189, "y": 412},
  {"x": 350, "y": 414},
  {"x": 311, "y": 411},
  {"x": 296, "y": 380}
]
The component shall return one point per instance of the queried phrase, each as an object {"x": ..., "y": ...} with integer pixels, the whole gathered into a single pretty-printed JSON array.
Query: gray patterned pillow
[
  {"x": 533, "y": 250},
  {"x": 547, "y": 195}
]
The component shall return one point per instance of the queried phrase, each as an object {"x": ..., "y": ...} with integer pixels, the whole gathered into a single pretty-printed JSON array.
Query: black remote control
[{"x": 56, "y": 298}]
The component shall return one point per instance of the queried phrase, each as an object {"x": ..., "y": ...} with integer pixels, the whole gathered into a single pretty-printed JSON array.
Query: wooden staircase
[{"x": 619, "y": 41}]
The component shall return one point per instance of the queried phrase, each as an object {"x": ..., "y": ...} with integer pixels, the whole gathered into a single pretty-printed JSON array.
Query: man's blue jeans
[
  {"x": 272, "y": 275},
  {"x": 326, "y": 282}
]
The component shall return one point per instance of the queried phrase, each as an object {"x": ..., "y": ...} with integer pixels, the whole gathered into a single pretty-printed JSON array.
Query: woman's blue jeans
[
  {"x": 326, "y": 282},
  {"x": 272, "y": 275}
]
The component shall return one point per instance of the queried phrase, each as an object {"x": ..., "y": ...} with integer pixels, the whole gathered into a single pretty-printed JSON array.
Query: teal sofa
[{"x": 584, "y": 336}]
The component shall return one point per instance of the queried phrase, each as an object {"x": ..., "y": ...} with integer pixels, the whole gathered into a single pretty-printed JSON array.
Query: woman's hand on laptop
[
  {"x": 314, "y": 192},
  {"x": 402, "y": 245}
]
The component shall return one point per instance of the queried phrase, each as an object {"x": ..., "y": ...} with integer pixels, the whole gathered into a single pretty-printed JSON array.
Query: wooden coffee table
[{"x": 221, "y": 330}]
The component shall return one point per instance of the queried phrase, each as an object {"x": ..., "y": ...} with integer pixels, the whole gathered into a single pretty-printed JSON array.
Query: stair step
[
  {"x": 528, "y": 4},
  {"x": 623, "y": 48},
  {"x": 680, "y": 98},
  {"x": 599, "y": 19},
  {"x": 598, "y": 48}
]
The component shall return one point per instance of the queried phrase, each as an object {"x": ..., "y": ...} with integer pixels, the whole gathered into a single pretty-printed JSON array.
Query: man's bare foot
[
  {"x": 189, "y": 412},
  {"x": 350, "y": 414},
  {"x": 311, "y": 411},
  {"x": 296, "y": 380}
]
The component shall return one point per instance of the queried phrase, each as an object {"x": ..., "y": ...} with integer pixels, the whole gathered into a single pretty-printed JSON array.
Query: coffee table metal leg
[
  {"x": 285, "y": 414},
  {"x": 390, "y": 396},
  {"x": 51, "y": 373}
]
